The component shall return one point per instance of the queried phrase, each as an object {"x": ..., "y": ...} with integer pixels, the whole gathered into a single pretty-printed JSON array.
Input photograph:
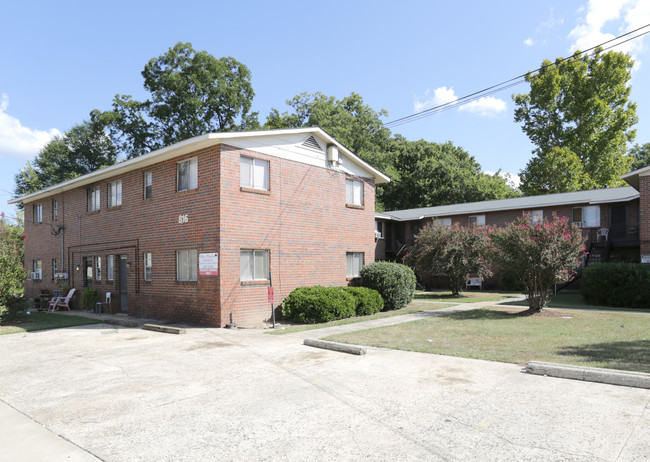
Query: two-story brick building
[{"x": 193, "y": 232}]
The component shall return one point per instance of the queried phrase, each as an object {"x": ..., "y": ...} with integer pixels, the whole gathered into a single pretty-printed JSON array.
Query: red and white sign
[
  {"x": 208, "y": 264},
  {"x": 271, "y": 294}
]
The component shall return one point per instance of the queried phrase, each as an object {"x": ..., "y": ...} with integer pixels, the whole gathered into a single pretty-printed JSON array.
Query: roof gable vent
[{"x": 312, "y": 143}]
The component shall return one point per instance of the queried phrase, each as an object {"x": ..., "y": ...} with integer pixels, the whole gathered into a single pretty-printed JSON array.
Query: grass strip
[{"x": 41, "y": 321}]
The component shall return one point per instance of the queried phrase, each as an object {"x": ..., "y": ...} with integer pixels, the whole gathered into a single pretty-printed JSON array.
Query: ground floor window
[
  {"x": 354, "y": 263},
  {"x": 186, "y": 264},
  {"x": 147, "y": 266},
  {"x": 98, "y": 268},
  {"x": 55, "y": 268},
  {"x": 110, "y": 271},
  {"x": 37, "y": 269},
  {"x": 254, "y": 264}
]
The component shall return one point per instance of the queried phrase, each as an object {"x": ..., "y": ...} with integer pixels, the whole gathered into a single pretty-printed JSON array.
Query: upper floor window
[
  {"x": 353, "y": 192},
  {"x": 93, "y": 198},
  {"x": 587, "y": 217},
  {"x": 254, "y": 265},
  {"x": 254, "y": 173},
  {"x": 55, "y": 209},
  {"x": 353, "y": 264},
  {"x": 476, "y": 220},
  {"x": 147, "y": 266},
  {"x": 187, "y": 174},
  {"x": 38, "y": 213},
  {"x": 186, "y": 264},
  {"x": 115, "y": 193},
  {"x": 148, "y": 184},
  {"x": 536, "y": 217},
  {"x": 442, "y": 222}
]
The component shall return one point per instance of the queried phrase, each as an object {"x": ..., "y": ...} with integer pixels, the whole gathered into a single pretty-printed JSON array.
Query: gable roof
[
  {"x": 194, "y": 144},
  {"x": 632, "y": 178},
  {"x": 592, "y": 196}
]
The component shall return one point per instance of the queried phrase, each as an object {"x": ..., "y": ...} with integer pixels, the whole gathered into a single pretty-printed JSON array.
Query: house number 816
[{"x": 183, "y": 218}]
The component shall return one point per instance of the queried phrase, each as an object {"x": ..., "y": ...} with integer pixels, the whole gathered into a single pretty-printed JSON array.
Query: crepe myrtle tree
[
  {"x": 538, "y": 255},
  {"x": 455, "y": 252}
]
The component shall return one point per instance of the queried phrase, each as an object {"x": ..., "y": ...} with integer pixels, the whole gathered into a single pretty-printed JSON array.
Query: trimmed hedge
[
  {"x": 311, "y": 305},
  {"x": 616, "y": 284},
  {"x": 368, "y": 301},
  {"x": 394, "y": 282}
]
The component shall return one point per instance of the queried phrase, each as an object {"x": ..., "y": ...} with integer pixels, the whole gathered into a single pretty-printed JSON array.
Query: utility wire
[{"x": 506, "y": 83}]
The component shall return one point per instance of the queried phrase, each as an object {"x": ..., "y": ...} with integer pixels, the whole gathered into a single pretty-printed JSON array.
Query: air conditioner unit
[
  {"x": 578, "y": 224},
  {"x": 378, "y": 235},
  {"x": 60, "y": 275},
  {"x": 36, "y": 275}
]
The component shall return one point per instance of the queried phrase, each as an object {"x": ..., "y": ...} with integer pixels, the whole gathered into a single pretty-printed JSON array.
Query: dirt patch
[{"x": 540, "y": 314}]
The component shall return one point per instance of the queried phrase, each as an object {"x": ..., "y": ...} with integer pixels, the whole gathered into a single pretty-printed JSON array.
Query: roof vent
[{"x": 312, "y": 143}]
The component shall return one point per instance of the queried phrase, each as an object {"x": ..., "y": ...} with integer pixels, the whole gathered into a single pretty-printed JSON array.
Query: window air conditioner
[
  {"x": 578, "y": 224},
  {"x": 36, "y": 275},
  {"x": 60, "y": 275},
  {"x": 378, "y": 235}
]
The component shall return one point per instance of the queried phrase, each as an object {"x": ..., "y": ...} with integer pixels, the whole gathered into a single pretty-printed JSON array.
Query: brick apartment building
[
  {"x": 192, "y": 231},
  {"x": 622, "y": 215}
]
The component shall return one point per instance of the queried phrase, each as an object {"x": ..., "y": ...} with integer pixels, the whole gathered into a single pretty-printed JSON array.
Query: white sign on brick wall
[{"x": 208, "y": 264}]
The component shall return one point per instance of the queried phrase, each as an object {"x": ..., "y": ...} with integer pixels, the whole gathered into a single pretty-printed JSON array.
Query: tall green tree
[
  {"x": 427, "y": 174},
  {"x": 582, "y": 106},
  {"x": 640, "y": 156},
  {"x": 13, "y": 274},
  {"x": 82, "y": 149},
  {"x": 192, "y": 93},
  {"x": 350, "y": 120}
]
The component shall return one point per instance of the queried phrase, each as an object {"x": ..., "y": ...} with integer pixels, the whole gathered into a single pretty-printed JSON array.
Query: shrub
[
  {"x": 89, "y": 298},
  {"x": 455, "y": 252},
  {"x": 394, "y": 282},
  {"x": 16, "y": 307},
  {"x": 311, "y": 305},
  {"x": 367, "y": 301},
  {"x": 616, "y": 284}
]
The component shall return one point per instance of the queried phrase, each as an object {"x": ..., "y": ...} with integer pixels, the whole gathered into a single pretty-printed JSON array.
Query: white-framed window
[
  {"x": 147, "y": 266},
  {"x": 442, "y": 222},
  {"x": 476, "y": 220},
  {"x": 55, "y": 267},
  {"x": 379, "y": 229},
  {"x": 186, "y": 265},
  {"x": 55, "y": 209},
  {"x": 38, "y": 213},
  {"x": 254, "y": 264},
  {"x": 110, "y": 265},
  {"x": 587, "y": 217},
  {"x": 254, "y": 173},
  {"x": 536, "y": 217},
  {"x": 148, "y": 185},
  {"x": 187, "y": 174},
  {"x": 37, "y": 269},
  {"x": 353, "y": 264},
  {"x": 98, "y": 268},
  {"x": 354, "y": 192},
  {"x": 115, "y": 193},
  {"x": 94, "y": 195}
]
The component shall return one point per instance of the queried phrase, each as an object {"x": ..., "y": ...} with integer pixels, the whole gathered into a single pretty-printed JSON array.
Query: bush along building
[
  {"x": 198, "y": 231},
  {"x": 615, "y": 222}
]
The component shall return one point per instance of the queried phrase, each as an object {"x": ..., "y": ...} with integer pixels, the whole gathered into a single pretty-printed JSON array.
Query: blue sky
[{"x": 60, "y": 60}]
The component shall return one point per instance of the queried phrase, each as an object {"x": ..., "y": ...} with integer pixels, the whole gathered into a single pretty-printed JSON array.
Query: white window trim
[
  {"x": 352, "y": 257},
  {"x": 98, "y": 268},
  {"x": 55, "y": 209},
  {"x": 148, "y": 183},
  {"x": 115, "y": 193},
  {"x": 192, "y": 173},
  {"x": 479, "y": 218},
  {"x": 147, "y": 265},
  {"x": 447, "y": 222},
  {"x": 256, "y": 274},
  {"x": 584, "y": 223},
  {"x": 354, "y": 192},
  {"x": 38, "y": 213},
  {"x": 536, "y": 217},
  {"x": 110, "y": 267},
  {"x": 186, "y": 271},
  {"x": 255, "y": 179},
  {"x": 94, "y": 198}
]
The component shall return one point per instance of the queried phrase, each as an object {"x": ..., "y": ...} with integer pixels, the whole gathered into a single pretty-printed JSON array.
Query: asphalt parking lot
[{"x": 124, "y": 394}]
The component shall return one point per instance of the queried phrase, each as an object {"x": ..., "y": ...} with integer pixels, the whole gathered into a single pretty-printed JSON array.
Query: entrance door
[
  {"x": 617, "y": 221},
  {"x": 124, "y": 308}
]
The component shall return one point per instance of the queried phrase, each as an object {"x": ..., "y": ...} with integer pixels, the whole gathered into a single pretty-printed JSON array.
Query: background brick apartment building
[{"x": 192, "y": 231}]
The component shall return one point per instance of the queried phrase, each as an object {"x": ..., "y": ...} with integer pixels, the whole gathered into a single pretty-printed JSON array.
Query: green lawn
[
  {"x": 615, "y": 340},
  {"x": 413, "y": 307},
  {"x": 573, "y": 300},
  {"x": 466, "y": 297},
  {"x": 41, "y": 321}
]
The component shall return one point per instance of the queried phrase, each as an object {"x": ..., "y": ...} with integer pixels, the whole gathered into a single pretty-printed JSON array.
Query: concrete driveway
[{"x": 214, "y": 394}]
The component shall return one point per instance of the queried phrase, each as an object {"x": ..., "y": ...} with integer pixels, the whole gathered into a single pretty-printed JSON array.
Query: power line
[{"x": 506, "y": 83}]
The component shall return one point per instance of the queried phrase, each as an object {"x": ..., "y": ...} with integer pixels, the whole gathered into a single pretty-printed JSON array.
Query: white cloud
[
  {"x": 627, "y": 15},
  {"x": 512, "y": 180},
  {"x": 529, "y": 42},
  {"x": 440, "y": 96},
  {"x": 17, "y": 140},
  {"x": 485, "y": 106}
]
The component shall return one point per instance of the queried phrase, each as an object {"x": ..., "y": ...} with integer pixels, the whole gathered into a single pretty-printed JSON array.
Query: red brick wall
[
  {"x": 303, "y": 221},
  {"x": 644, "y": 214}
]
